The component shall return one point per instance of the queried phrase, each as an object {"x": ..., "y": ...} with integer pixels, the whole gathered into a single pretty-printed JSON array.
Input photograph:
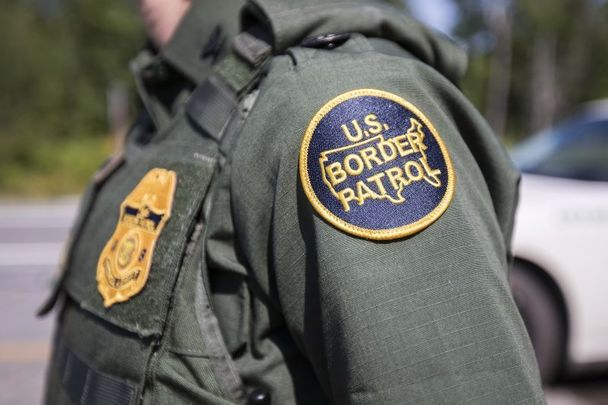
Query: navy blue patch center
[{"x": 374, "y": 166}]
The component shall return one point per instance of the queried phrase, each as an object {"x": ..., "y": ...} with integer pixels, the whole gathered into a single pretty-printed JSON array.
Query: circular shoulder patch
[{"x": 374, "y": 166}]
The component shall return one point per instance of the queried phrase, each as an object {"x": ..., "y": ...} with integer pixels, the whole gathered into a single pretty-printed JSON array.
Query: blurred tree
[
  {"x": 534, "y": 61},
  {"x": 58, "y": 59},
  {"x": 498, "y": 17}
]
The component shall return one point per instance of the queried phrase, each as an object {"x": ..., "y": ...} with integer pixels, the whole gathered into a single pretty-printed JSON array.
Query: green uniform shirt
[{"x": 297, "y": 301}]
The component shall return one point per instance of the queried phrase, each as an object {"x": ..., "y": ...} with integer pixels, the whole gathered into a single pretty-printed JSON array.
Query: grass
[{"x": 36, "y": 167}]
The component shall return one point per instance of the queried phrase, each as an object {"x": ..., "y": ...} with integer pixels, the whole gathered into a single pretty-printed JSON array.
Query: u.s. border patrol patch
[{"x": 374, "y": 166}]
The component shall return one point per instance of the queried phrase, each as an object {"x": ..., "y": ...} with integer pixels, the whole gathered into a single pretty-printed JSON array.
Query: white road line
[
  {"x": 30, "y": 254},
  {"x": 7, "y": 211},
  {"x": 32, "y": 216},
  {"x": 46, "y": 223}
]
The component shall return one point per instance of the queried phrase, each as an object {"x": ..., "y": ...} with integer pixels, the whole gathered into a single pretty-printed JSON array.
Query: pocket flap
[{"x": 125, "y": 264}]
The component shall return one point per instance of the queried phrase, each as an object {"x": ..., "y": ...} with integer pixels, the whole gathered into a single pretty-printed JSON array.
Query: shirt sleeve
[{"x": 423, "y": 318}]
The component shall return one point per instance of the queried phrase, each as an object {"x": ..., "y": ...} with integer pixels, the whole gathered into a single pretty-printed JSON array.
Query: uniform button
[
  {"x": 259, "y": 397},
  {"x": 329, "y": 41}
]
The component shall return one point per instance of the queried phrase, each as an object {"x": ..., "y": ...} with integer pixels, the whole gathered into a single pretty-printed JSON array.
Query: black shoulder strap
[{"x": 213, "y": 103}]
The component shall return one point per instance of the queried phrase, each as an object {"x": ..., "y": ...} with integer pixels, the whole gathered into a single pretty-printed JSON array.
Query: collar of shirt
[
  {"x": 291, "y": 21},
  {"x": 164, "y": 78},
  {"x": 202, "y": 35}
]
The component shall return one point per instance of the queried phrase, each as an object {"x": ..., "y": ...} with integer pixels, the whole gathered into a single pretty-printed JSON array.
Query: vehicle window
[
  {"x": 533, "y": 150},
  {"x": 582, "y": 155}
]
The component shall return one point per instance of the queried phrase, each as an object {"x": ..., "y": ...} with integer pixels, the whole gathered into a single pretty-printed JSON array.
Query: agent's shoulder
[{"x": 304, "y": 80}]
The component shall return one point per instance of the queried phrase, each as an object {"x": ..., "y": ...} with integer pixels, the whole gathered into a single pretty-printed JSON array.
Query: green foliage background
[
  {"x": 558, "y": 58},
  {"x": 57, "y": 60},
  {"x": 59, "y": 57}
]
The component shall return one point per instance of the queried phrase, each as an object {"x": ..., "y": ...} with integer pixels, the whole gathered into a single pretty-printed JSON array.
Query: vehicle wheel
[{"x": 540, "y": 311}]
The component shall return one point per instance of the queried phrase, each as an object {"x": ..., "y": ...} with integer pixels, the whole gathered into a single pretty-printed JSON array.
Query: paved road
[{"x": 31, "y": 241}]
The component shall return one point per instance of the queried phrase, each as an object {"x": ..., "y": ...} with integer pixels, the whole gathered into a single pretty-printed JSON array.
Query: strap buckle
[{"x": 251, "y": 49}]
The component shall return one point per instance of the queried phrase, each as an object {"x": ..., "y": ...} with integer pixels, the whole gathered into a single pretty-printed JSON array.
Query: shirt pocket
[{"x": 120, "y": 232}]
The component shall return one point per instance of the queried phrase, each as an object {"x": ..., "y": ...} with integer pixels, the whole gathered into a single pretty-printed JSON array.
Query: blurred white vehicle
[{"x": 560, "y": 244}]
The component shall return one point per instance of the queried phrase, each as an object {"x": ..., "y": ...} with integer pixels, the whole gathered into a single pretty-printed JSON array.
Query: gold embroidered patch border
[
  {"x": 125, "y": 261},
  {"x": 416, "y": 139}
]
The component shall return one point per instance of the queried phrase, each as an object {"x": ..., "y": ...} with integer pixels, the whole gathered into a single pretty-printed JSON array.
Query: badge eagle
[
  {"x": 124, "y": 263},
  {"x": 374, "y": 166}
]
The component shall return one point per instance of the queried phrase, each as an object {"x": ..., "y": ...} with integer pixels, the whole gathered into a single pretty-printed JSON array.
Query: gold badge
[{"x": 124, "y": 263}]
